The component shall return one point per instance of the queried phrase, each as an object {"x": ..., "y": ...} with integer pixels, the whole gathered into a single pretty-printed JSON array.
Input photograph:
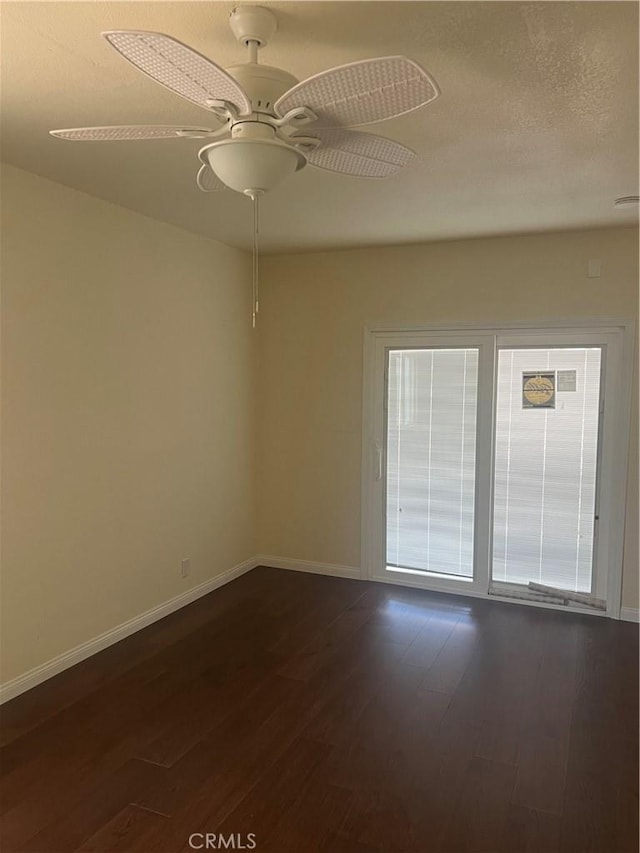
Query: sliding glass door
[{"x": 492, "y": 465}]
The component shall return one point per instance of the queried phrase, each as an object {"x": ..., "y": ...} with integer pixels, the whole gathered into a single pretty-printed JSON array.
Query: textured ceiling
[{"x": 536, "y": 128}]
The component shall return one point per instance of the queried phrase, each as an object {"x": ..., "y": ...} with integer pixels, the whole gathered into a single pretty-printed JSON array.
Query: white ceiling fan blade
[
  {"x": 208, "y": 181},
  {"x": 362, "y": 92},
  {"x": 361, "y": 154},
  {"x": 178, "y": 67},
  {"x": 130, "y": 131}
]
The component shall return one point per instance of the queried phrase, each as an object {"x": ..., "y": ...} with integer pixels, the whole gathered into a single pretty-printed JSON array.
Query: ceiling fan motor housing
[{"x": 263, "y": 84}]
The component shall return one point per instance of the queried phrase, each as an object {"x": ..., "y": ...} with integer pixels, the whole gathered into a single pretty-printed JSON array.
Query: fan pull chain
[{"x": 256, "y": 220}]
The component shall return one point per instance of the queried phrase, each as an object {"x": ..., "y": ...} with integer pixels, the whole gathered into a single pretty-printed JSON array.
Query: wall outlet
[{"x": 185, "y": 567}]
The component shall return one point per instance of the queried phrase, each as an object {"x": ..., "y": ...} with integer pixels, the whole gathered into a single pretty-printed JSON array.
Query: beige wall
[
  {"x": 129, "y": 437},
  {"x": 127, "y": 430},
  {"x": 313, "y": 310}
]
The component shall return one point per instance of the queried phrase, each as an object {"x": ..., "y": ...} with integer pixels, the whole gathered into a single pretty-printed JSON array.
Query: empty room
[{"x": 319, "y": 427}]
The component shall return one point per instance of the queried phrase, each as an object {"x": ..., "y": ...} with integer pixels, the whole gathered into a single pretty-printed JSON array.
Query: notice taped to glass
[
  {"x": 539, "y": 389},
  {"x": 566, "y": 380}
]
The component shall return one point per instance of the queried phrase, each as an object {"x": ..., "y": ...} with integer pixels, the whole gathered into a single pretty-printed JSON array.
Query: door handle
[{"x": 378, "y": 447}]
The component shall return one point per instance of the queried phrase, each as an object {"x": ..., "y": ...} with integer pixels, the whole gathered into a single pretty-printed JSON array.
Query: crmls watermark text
[{"x": 217, "y": 841}]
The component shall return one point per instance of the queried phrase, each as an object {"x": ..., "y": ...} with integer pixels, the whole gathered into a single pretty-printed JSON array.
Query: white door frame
[{"x": 618, "y": 337}]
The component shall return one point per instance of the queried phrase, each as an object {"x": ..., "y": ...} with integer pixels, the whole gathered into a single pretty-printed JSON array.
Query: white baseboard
[
  {"x": 630, "y": 614},
  {"x": 41, "y": 673},
  {"x": 332, "y": 569}
]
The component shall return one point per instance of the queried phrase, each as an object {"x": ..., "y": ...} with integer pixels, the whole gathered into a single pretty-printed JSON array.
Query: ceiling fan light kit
[
  {"x": 260, "y": 109},
  {"x": 253, "y": 161}
]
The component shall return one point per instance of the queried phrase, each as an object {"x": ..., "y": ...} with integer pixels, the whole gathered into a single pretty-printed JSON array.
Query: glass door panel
[
  {"x": 545, "y": 469},
  {"x": 431, "y": 404}
]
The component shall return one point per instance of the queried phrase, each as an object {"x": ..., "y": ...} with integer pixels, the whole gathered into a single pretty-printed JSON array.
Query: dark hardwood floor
[{"x": 331, "y": 715}]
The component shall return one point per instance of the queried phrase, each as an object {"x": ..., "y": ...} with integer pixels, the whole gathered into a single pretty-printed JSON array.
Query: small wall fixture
[{"x": 627, "y": 200}]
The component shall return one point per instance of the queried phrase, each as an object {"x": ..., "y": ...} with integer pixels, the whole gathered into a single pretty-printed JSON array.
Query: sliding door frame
[{"x": 618, "y": 340}]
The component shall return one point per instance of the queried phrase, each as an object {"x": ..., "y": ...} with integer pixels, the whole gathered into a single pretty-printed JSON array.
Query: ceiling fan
[{"x": 260, "y": 111}]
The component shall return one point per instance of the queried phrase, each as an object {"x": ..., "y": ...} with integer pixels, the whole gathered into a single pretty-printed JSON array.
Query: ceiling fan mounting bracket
[
  {"x": 189, "y": 133},
  {"x": 297, "y": 117},
  {"x": 253, "y": 24},
  {"x": 224, "y": 110},
  {"x": 304, "y": 143}
]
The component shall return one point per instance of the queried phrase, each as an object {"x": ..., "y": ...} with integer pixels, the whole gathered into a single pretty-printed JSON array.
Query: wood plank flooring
[{"x": 336, "y": 716}]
